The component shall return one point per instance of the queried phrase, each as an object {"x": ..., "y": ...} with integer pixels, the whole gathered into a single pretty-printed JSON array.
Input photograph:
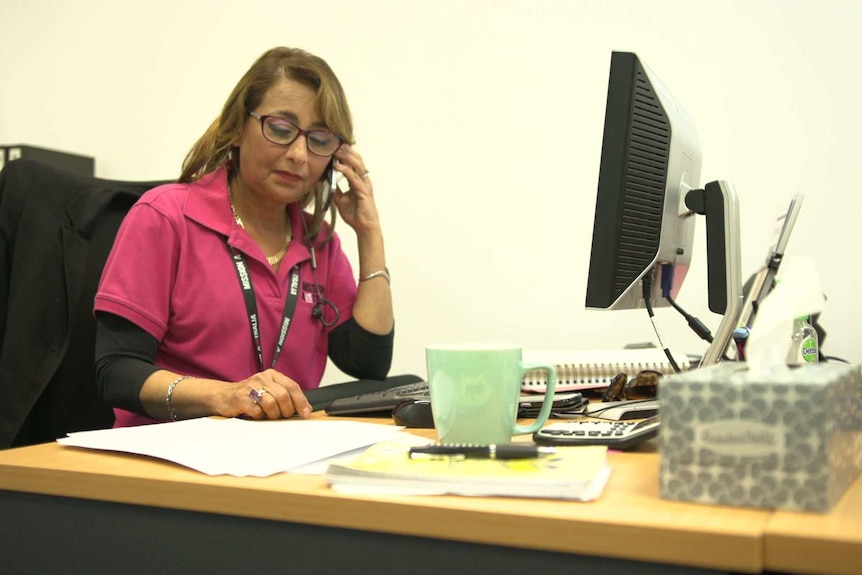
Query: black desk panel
[{"x": 48, "y": 534}]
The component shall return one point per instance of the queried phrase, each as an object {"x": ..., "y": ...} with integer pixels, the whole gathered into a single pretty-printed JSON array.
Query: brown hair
[{"x": 215, "y": 146}]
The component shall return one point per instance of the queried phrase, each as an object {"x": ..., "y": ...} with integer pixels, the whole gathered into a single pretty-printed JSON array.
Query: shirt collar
[{"x": 208, "y": 204}]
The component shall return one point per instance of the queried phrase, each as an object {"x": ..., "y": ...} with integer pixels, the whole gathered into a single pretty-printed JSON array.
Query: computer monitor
[
  {"x": 651, "y": 158},
  {"x": 648, "y": 195}
]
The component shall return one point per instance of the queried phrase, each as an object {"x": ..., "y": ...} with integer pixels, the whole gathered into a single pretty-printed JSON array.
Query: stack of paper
[
  {"x": 236, "y": 446},
  {"x": 571, "y": 473}
]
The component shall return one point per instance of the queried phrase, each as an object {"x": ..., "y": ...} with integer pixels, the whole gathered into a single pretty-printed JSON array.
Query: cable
[
  {"x": 695, "y": 324},
  {"x": 833, "y": 358},
  {"x": 647, "y": 295}
]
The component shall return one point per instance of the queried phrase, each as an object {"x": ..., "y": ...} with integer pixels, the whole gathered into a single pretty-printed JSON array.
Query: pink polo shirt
[{"x": 171, "y": 273}]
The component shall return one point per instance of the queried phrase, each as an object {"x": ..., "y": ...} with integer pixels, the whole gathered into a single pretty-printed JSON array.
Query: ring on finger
[
  {"x": 256, "y": 394},
  {"x": 365, "y": 174}
]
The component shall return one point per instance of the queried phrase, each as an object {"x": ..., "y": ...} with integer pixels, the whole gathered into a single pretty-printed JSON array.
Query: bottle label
[{"x": 809, "y": 350}]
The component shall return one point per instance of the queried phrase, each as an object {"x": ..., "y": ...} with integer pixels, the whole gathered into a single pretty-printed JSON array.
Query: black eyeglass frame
[{"x": 299, "y": 132}]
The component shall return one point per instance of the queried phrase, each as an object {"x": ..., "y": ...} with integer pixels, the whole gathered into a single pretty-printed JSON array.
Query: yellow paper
[{"x": 571, "y": 472}]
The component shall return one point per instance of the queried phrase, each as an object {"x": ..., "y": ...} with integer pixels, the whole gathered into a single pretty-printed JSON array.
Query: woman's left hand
[
  {"x": 356, "y": 205},
  {"x": 373, "y": 306}
]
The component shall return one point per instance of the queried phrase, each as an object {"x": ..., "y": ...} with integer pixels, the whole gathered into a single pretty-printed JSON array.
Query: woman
[{"x": 225, "y": 292}]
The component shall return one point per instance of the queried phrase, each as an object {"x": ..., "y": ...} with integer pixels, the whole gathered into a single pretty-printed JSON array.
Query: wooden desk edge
[
  {"x": 306, "y": 499},
  {"x": 804, "y": 554},
  {"x": 827, "y": 543}
]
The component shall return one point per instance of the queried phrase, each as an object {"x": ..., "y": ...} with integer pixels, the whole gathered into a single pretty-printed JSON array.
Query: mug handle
[{"x": 545, "y": 412}]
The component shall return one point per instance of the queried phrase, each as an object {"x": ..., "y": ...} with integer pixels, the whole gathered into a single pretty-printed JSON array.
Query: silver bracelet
[
  {"x": 170, "y": 394},
  {"x": 384, "y": 273}
]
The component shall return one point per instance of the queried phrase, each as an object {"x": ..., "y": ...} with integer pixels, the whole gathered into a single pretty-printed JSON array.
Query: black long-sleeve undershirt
[{"x": 125, "y": 357}]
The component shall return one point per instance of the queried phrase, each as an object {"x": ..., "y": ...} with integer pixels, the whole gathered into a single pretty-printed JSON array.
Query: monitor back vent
[{"x": 645, "y": 172}]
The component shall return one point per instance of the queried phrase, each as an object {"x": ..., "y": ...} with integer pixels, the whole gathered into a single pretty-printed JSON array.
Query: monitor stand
[{"x": 719, "y": 203}]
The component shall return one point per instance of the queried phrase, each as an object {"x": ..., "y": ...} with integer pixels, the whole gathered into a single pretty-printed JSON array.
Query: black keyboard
[
  {"x": 382, "y": 401},
  {"x": 322, "y": 397}
]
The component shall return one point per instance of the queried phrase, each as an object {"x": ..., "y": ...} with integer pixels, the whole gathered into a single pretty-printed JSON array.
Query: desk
[
  {"x": 815, "y": 543},
  {"x": 71, "y": 510}
]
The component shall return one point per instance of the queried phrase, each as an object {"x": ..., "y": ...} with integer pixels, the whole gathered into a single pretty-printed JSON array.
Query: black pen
[{"x": 510, "y": 451}]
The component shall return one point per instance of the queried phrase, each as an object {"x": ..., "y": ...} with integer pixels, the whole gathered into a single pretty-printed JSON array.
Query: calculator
[{"x": 614, "y": 434}]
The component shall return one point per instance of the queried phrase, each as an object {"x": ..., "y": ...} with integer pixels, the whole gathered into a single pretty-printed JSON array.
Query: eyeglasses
[
  {"x": 642, "y": 386},
  {"x": 284, "y": 132}
]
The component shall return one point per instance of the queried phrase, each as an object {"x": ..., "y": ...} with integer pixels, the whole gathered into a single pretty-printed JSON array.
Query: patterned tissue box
[{"x": 779, "y": 439}]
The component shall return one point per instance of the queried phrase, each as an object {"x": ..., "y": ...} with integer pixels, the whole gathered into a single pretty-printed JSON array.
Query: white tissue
[{"x": 797, "y": 294}]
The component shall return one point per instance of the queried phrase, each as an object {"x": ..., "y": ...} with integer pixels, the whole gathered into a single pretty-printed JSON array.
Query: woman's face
[{"x": 273, "y": 172}]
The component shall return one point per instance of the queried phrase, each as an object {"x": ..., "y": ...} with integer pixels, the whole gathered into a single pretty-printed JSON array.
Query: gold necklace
[{"x": 273, "y": 260}]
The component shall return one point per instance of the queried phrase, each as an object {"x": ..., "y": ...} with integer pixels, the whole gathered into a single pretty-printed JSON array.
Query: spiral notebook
[{"x": 590, "y": 369}]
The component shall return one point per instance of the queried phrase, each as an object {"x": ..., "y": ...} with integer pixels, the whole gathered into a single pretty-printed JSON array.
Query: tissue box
[{"x": 779, "y": 438}]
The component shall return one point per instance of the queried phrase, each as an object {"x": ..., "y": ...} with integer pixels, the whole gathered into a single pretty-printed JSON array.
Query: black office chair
[{"x": 56, "y": 230}]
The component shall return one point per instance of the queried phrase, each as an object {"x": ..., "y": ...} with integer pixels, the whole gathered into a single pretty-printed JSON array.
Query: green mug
[{"x": 475, "y": 391}]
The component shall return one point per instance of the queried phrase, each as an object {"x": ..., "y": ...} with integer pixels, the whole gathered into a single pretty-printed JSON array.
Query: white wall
[{"x": 482, "y": 123}]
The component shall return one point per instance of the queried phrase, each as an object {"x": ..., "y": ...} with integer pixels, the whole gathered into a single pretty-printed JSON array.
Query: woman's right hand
[{"x": 266, "y": 395}]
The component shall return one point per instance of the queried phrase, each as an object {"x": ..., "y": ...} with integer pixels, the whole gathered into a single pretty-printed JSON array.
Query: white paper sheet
[
  {"x": 593, "y": 492},
  {"x": 235, "y": 446}
]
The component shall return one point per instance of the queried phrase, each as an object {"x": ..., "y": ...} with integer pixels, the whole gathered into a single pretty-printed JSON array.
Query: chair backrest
[{"x": 56, "y": 230}]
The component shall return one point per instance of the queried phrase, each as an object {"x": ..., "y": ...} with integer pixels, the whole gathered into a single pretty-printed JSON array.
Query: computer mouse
[
  {"x": 413, "y": 412},
  {"x": 623, "y": 410}
]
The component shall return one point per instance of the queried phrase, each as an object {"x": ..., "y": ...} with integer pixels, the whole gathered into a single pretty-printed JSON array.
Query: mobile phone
[
  {"x": 565, "y": 404},
  {"x": 561, "y": 400},
  {"x": 326, "y": 198}
]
